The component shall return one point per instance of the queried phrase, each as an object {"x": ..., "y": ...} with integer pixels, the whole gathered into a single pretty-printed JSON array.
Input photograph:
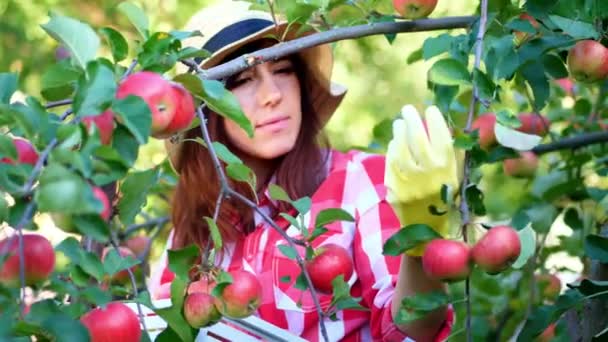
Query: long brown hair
[{"x": 198, "y": 187}]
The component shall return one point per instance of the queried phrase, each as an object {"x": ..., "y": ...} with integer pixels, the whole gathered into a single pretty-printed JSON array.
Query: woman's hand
[{"x": 420, "y": 159}]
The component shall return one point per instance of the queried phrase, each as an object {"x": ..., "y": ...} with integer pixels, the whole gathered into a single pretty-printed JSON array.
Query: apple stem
[
  {"x": 226, "y": 190},
  {"x": 130, "y": 69}
]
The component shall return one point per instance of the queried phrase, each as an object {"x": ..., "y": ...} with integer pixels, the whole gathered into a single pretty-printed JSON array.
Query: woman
[{"x": 288, "y": 101}]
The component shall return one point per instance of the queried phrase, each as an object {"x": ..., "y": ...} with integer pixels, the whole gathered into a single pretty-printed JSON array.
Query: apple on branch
[
  {"x": 200, "y": 310},
  {"x": 26, "y": 153},
  {"x": 121, "y": 277},
  {"x": 242, "y": 297},
  {"x": 115, "y": 322},
  {"x": 485, "y": 124},
  {"x": 446, "y": 260},
  {"x": 497, "y": 249},
  {"x": 523, "y": 167},
  {"x": 588, "y": 61},
  {"x": 330, "y": 261},
  {"x": 38, "y": 255},
  {"x": 104, "y": 123},
  {"x": 414, "y": 9}
]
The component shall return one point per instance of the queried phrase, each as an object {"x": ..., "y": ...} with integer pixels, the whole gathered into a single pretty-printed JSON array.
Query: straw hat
[{"x": 228, "y": 26}]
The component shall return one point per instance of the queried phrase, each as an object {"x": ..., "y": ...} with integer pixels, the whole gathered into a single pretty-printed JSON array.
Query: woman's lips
[{"x": 275, "y": 124}]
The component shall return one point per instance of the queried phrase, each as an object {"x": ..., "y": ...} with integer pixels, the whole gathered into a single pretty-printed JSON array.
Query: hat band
[{"x": 235, "y": 32}]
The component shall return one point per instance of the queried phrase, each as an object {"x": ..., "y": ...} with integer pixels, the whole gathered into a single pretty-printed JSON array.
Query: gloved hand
[{"x": 418, "y": 162}]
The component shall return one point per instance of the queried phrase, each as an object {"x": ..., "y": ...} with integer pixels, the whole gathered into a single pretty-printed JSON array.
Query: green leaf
[
  {"x": 317, "y": 232},
  {"x": 292, "y": 220},
  {"x": 285, "y": 279},
  {"x": 216, "y": 237},
  {"x": 71, "y": 248},
  {"x": 409, "y": 237},
  {"x": 114, "y": 262},
  {"x": 118, "y": 44},
  {"x": 553, "y": 185},
  {"x": 435, "y": 46},
  {"x": 4, "y": 211},
  {"x": 135, "y": 190},
  {"x": 217, "y": 98},
  {"x": 555, "y": 66},
  {"x": 544, "y": 315},
  {"x": 126, "y": 144},
  {"x": 414, "y": 56},
  {"x": 135, "y": 114},
  {"x": 484, "y": 84},
  {"x": 241, "y": 173},
  {"x": 297, "y": 11},
  {"x": 327, "y": 216},
  {"x": 181, "y": 260},
  {"x": 590, "y": 287},
  {"x": 7, "y": 147},
  {"x": 502, "y": 60},
  {"x": 61, "y": 190},
  {"x": 301, "y": 283},
  {"x": 515, "y": 139},
  {"x": 95, "y": 91},
  {"x": 288, "y": 251},
  {"x": 596, "y": 247},
  {"x": 91, "y": 264},
  {"x": 522, "y": 25},
  {"x": 573, "y": 219},
  {"x": 224, "y": 153},
  {"x": 449, "y": 71},
  {"x": 8, "y": 85},
  {"x": 92, "y": 226},
  {"x": 278, "y": 193},
  {"x": 527, "y": 238},
  {"x": 191, "y": 52},
  {"x": 302, "y": 205},
  {"x": 475, "y": 199},
  {"x": 534, "y": 74},
  {"x": 96, "y": 295},
  {"x": 78, "y": 37},
  {"x": 417, "y": 306},
  {"x": 575, "y": 28},
  {"x": 136, "y": 16},
  {"x": 65, "y": 328},
  {"x": 59, "y": 81},
  {"x": 542, "y": 216}
]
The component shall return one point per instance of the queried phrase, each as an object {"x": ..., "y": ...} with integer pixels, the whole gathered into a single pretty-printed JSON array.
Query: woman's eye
[
  {"x": 240, "y": 81},
  {"x": 284, "y": 69}
]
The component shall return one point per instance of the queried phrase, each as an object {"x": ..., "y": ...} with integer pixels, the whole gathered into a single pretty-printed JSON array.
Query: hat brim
[{"x": 325, "y": 95}]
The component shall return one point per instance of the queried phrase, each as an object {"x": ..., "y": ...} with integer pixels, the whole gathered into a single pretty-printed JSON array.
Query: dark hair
[{"x": 198, "y": 187}]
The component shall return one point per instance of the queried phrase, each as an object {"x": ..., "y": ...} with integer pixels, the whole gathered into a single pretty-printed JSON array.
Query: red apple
[
  {"x": 200, "y": 310},
  {"x": 121, "y": 277},
  {"x": 202, "y": 286},
  {"x": 485, "y": 124},
  {"x": 242, "y": 297},
  {"x": 566, "y": 84},
  {"x": 549, "y": 284},
  {"x": 497, "y": 249},
  {"x": 446, "y": 260},
  {"x": 157, "y": 92},
  {"x": 38, "y": 255},
  {"x": 107, "y": 208},
  {"x": 330, "y": 261},
  {"x": 26, "y": 153},
  {"x": 522, "y": 37},
  {"x": 114, "y": 323},
  {"x": 414, "y": 9},
  {"x": 525, "y": 166},
  {"x": 138, "y": 244},
  {"x": 104, "y": 123},
  {"x": 588, "y": 61},
  {"x": 533, "y": 124},
  {"x": 184, "y": 111},
  {"x": 547, "y": 335}
]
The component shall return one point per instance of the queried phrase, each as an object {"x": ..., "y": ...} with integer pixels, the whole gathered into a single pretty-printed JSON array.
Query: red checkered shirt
[{"x": 355, "y": 183}]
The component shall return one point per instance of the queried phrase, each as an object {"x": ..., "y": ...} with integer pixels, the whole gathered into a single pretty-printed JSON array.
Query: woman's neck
[{"x": 262, "y": 168}]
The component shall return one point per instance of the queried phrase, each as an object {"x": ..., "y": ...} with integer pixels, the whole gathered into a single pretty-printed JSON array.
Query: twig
[
  {"x": 129, "y": 69},
  {"x": 231, "y": 193},
  {"x": 464, "y": 207},
  {"x": 274, "y": 18},
  {"x": 148, "y": 224},
  {"x": 133, "y": 284},
  {"x": 572, "y": 142},
  {"x": 27, "y": 187},
  {"x": 59, "y": 103},
  {"x": 286, "y": 48}
]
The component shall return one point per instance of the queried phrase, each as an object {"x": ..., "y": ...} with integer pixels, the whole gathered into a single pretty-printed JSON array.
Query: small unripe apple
[
  {"x": 138, "y": 244},
  {"x": 485, "y": 124},
  {"x": 414, "y": 9},
  {"x": 549, "y": 284},
  {"x": 446, "y": 260},
  {"x": 330, "y": 261},
  {"x": 523, "y": 167},
  {"x": 26, "y": 153},
  {"x": 200, "y": 310},
  {"x": 547, "y": 335},
  {"x": 497, "y": 249},
  {"x": 588, "y": 61},
  {"x": 522, "y": 37},
  {"x": 566, "y": 84},
  {"x": 107, "y": 207}
]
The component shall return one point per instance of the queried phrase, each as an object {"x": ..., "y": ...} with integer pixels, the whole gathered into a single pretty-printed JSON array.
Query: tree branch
[
  {"x": 572, "y": 142},
  {"x": 280, "y": 50}
]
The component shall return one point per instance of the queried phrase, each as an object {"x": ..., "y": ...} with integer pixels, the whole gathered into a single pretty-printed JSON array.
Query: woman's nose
[{"x": 269, "y": 90}]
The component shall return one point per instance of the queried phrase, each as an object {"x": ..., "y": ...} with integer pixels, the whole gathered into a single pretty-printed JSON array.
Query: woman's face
[{"x": 269, "y": 94}]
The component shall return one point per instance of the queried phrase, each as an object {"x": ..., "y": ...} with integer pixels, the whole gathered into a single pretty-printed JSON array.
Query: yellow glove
[{"x": 417, "y": 165}]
